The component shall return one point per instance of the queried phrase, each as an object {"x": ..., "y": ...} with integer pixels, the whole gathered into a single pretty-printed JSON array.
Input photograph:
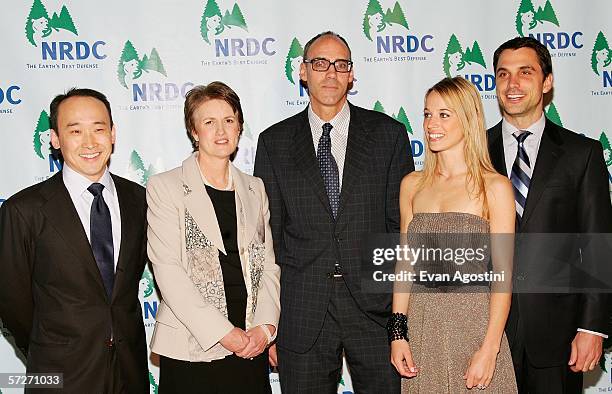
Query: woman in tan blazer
[{"x": 210, "y": 244}]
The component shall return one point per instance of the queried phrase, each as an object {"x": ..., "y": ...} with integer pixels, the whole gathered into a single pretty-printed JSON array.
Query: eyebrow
[{"x": 100, "y": 122}]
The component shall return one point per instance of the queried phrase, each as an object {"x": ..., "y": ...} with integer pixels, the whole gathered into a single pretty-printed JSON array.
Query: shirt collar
[
  {"x": 536, "y": 129},
  {"x": 338, "y": 122},
  {"x": 77, "y": 184}
]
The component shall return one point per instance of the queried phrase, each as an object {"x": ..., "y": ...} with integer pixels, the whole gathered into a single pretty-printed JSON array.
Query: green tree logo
[
  {"x": 138, "y": 172},
  {"x": 39, "y": 25},
  {"x": 605, "y": 142},
  {"x": 131, "y": 66},
  {"x": 400, "y": 117},
  {"x": 214, "y": 22},
  {"x": 527, "y": 18},
  {"x": 293, "y": 61},
  {"x": 601, "y": 56},
  {"x": 455, "y": 59},
  {"x": 145, "y": 286},
  {"x": 42, "y": 136},
  {"x": 154, "y": 387},
  {"x": 553, "y": 115},
  {"x": 375, "y": 20}
]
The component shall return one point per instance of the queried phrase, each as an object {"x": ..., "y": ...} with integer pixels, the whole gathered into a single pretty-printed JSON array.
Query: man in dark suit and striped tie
[
  {"x": 561, "y": 186},
  {"x": 332, "y": 173}
]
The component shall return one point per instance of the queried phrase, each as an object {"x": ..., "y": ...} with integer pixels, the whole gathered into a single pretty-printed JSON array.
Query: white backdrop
[{"x": 146, "y": 54}]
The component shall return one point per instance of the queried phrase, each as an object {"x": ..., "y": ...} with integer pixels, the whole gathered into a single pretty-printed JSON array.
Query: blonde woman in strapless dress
[{"x": 455, "y": 340}]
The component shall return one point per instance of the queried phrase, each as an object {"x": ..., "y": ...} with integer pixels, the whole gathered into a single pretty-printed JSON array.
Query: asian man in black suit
[{"x": 72, "y": 251}]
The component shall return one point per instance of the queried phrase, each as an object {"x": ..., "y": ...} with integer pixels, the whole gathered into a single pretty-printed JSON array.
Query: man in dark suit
[
  {"x": 561, "y": 186},
  {"x": 332, "y": 174},
  {"x": 72, "y": 251}
]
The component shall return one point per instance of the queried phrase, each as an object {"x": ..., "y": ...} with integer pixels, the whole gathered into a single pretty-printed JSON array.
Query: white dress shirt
[
  {"x": 532, "y": 146},
  {"x": 338, "y": 134},
  {"x": 82, "y": 199}
]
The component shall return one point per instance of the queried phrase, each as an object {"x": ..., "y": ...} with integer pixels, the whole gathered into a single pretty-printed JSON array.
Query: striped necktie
[{"x": 521, "y": 174}]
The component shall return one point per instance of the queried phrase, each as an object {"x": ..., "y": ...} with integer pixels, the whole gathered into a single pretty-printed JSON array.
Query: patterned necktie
[
  {"x": 520, "y": 176},
  {"x": 101, "y": 237},
  {"x": 329, "y": 169}
]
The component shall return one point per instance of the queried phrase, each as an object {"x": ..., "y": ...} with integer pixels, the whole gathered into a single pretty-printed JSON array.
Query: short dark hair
[
  {"x": 199, "y": 94},
  {"x": 323, "y": 34},
  {"x": 526, "y": 42},
  {"x": 76, "y": 92}
]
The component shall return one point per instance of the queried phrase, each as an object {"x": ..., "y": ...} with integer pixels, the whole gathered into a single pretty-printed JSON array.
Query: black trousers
[
  {"x": 346, "y": 330},
  {"x": 536, "y": 380},
  {"x": 230, "y": 375}
]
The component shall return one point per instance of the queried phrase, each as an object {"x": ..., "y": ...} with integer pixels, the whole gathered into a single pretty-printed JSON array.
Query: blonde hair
[{"x": 463, "y": 98}]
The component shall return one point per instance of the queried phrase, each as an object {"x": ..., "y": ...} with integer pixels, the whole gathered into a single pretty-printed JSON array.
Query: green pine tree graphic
[
  {"x": 547, "y": 14},
  {"x": 526, "y": 6},
  {"x": 42, "y": 125},
  {"x": 379, "y": 107},
  {"x": 453, "y": 47},
  {"x": 605, "y": 143},
  {"x": 37, "y": 11},
  {"x": 474, "y": 55},
  {"x": 374, "y": 8},
  {"x": 295, "y": 50},
  {"x": 601, "y": 45},
  {"x": 403, "y": 119},
  {"x": 553, "y": 115}
]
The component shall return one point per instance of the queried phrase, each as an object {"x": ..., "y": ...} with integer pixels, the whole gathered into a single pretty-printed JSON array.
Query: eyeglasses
[{"x": 322, "y": 64}]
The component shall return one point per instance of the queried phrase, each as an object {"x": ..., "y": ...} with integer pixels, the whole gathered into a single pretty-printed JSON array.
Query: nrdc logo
[
  {"x": 9, "y": 98},
  {"x": 377, "y": 25},
  {"x": 416, "y": 145},
  {"x": 42, "y": 142},
  {"x": 141, "y": 76},
  {"x": 601, "y": 60},
  {"x": 214, "y": 24},
  {"x": 528, "y": 20},
  {"x": 457, "y": 62},
  {"x": 42, "y": 32}
]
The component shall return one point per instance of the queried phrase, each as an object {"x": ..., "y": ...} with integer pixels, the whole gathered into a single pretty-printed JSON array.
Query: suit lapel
[
  {"x": 129, "y": 218},
  {"x": 62, "y": 215},
  {"x": 548, "y": 156},
  {"x": 496, "y": 149},
  {"x": 306, "y": 160},
  {"x": 198, "y": 203},
  {"x": 355, "y": 159}
]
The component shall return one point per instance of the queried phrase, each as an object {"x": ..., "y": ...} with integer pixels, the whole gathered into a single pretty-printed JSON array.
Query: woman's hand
[
  {"x": 480, "y": 368},
  {"x": 258, "y": 340},
  {"x": 401, "y": 358},
  {"x": 235, "y": 340}
]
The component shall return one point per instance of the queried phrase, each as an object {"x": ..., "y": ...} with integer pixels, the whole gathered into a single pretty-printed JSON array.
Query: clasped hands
[{"x": 249, "y": 343}]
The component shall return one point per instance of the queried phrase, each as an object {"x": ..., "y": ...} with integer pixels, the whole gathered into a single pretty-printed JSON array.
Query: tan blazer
[{"x": 183, "y": 244}]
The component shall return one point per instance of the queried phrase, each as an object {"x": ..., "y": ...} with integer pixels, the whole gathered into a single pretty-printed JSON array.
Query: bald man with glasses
[{"x": 332, "y": 173}]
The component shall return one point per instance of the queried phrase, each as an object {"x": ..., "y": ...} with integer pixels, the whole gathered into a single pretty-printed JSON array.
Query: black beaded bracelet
[{"x": 397, "y": 327}]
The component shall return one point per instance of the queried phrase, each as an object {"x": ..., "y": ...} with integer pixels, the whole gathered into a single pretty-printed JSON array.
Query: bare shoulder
[
  {"x": 410, "y": 182},
  {"x": 498, "y": 186}
]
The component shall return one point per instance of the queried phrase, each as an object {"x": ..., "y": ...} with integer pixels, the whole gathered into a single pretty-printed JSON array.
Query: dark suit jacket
[
  {"x": 307, "y": 240},
  {"x": 52, "y": 297},
  {"x": 568, "y": 194}
]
